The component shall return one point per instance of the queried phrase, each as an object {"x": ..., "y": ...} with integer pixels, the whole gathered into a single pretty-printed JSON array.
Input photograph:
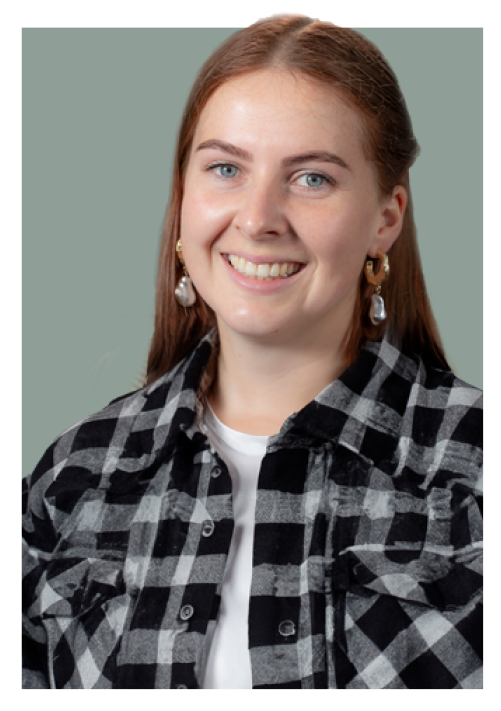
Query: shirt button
[
  {"x": 186, "y": 612},
  {"x": 208, "y": 528},
  {"x": 216, "y": 471},
  {"x": 287, "y": 628}
]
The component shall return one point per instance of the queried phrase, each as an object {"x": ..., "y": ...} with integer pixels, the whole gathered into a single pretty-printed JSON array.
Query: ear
[{"x": 391, "y": 220}]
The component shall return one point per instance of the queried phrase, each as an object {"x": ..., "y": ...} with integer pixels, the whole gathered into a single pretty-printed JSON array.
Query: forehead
[{"x": 275, "y": 106}]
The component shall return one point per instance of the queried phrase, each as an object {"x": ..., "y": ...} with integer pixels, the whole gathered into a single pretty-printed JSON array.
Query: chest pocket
[
  {"x": 84, "y": 606},
  {"x": 83, "y": 601},
  {"x": 393, "y": 543},
  {"x": 406, "y": 569},
  {"x": 87, "y": 565}
]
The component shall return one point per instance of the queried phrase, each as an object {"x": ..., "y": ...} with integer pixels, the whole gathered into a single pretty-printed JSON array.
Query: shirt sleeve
[
  {"x": 39, "y": 539},
  {"x": 458, "y": 525}
]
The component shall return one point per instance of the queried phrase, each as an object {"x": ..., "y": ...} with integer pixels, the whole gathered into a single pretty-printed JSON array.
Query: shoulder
[
  {"x": 435, "y": 420},
  {"x": 442, "y": 433},
  {"x": 123, "y": 436},
  {"x": 437, "y": 398},
  {"x": 444, "y": 408},
  {"x": 76, "y": 462},
  {"x": 75, "y": 466}
]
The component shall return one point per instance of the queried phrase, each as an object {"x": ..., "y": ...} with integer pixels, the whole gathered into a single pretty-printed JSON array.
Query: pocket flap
[
  {"x": 427, "y": 551},
  {"x": 73, "y": 586}
]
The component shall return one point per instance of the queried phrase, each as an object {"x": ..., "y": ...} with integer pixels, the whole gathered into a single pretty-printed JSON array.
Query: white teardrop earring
[
  {"x": 184, "y": 291},
  {"x": 377, "y": 311}
]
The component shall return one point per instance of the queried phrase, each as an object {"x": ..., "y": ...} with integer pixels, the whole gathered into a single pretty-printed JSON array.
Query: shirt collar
[{"x": 373, "y": 391}]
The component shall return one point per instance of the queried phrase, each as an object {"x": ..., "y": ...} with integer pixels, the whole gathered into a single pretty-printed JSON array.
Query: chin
[{"x": 253, "y": 327}]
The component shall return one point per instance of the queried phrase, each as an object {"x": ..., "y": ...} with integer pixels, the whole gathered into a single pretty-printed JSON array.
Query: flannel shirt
[{"x": 367, "y": 549}]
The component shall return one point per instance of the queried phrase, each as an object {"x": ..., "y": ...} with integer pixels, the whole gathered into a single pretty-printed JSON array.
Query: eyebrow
[{"x": 324, "y": 156}]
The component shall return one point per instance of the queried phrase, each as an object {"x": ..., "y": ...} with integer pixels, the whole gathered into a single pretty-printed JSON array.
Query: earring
[
  {"x": 184, "y": 291},
  {"x": 377, "y": 311}
]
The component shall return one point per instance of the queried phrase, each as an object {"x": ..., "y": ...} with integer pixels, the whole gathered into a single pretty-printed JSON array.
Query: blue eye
[
  {"x": 317, "y": 176},
  {"x": 313, "y": 180},
  {"x": 223, "y": 165}
]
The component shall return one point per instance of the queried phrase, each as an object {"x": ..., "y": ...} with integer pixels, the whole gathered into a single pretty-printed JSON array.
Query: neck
[{"x": 260, "y": 384}]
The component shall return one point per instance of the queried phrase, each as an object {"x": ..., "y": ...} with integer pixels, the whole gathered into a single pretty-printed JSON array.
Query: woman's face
[{"x": 280, "y": 208}]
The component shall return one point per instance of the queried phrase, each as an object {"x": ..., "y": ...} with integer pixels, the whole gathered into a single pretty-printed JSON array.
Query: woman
[{"x": 292, "y": 501}]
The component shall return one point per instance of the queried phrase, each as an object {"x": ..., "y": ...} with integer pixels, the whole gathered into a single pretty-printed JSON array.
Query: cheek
[
  {"x": 201, "y": 194},
  {"x": 191, "y": 211},
  {"x": 194, "y": 227},
  {"x": 203, "y": 217},
  {"x": 340, "y": 242}
]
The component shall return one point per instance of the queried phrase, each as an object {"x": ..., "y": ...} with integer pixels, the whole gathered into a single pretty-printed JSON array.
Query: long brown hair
[{"x": 348, "y": 63}]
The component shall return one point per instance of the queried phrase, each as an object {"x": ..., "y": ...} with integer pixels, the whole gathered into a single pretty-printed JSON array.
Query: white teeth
[{"x": 265, "y": 271}]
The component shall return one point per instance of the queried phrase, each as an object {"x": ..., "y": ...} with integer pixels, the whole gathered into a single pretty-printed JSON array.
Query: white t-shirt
[{"x": 227, "y": 660}]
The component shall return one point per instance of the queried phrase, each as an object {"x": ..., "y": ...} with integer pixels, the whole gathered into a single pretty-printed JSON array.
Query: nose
[{"x": 260, "y": 215}]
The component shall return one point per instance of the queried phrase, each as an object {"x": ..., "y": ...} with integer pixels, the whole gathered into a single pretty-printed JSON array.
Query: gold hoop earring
[
  {"x": 184, "y": 291},
  {"x": 377, "y": 311}
]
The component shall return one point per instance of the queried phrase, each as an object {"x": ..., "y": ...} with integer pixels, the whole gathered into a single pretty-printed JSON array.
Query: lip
[{"x": 258, "y": 285}]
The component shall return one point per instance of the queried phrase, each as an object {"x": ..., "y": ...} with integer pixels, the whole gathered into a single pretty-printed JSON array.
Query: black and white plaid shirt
[{"x": 367, "y": 550}]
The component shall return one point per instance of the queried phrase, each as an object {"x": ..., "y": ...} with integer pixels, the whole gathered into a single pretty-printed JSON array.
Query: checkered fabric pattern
[{"x": 367, "y": 550}]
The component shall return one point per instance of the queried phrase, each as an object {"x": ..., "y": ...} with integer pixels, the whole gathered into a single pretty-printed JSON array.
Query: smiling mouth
[{"x": 266, "y": 272}]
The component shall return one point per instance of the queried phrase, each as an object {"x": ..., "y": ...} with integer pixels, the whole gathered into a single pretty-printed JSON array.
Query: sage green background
[{"x": 100, "y": 114}]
